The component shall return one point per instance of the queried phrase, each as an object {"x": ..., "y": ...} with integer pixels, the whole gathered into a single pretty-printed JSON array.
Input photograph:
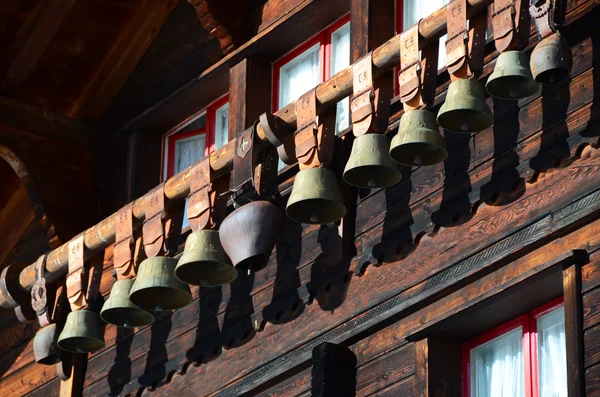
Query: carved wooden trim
[{"x": 205, "y": 12}]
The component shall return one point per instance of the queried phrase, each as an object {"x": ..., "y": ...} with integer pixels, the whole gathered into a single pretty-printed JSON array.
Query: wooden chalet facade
[{"x": 475, "y": 276}]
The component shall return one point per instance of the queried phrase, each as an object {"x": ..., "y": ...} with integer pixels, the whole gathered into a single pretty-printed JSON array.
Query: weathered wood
[
  {"x": 573, "y": 329},
  {"x": 73, "y": 386},
  {"x": 117, "y": 65},
  {"x": 591, "y": 343},
  {"x": 404, "y": 388},
  {"x": 15, "y": 218},
  {"x": 32, "y": 40},
  {"x": 591, "y": 308},
  {"x": 422, "y": 368}
]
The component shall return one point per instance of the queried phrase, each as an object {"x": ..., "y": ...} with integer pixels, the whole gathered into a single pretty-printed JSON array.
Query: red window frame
[
  {"x": 324, "y": 39},
  {"x": 171, "y": 138},
  {"x": 528, "y": 323}
]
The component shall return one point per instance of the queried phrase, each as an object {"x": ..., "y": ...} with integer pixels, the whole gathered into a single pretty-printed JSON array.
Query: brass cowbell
[
  {"x": 45, "y": 346},
  {"x": 465, "y": 109},
  {"x": 204, "y": 262},
  {"x": 118, "y": 309},
  {"x": 370, "y": 165},
  {"x": 512, "y": 77},
  {"x": 551, "y": 60},
  {"x": 315, "y": 197},
  {"x": 418, "y": 141},
  {"x": 156, "y": 288},
  {"x": 83, "y": 332}
]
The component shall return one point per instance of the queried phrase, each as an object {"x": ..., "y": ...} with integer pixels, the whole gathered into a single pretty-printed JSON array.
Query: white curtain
[
  {"x": 299, "y": 75},
  {"x": 497, "y": 367},
  {"x": 552, "y": 354},
  {"x": 414, "y": 10},
  {"x": 187, "y": 152},
  {"x": 221, "y": 126},
  {"x": 340, "y": 59}
]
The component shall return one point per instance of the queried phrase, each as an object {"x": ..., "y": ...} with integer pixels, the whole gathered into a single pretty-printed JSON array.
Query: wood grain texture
[
  {"x": 15, "y": 218},
  {"x": 573, "y": 329}
]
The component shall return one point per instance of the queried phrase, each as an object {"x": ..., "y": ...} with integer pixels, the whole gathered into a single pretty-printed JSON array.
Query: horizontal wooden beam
[{"x": 385, "y": 57}]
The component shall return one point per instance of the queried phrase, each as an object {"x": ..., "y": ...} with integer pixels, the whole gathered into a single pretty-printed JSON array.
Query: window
[
  {"x": 524, "y": 358},
  {"x": 312, "y": 63}
]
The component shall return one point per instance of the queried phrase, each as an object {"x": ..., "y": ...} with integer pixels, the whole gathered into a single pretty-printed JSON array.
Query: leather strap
[
  {"x": 363, "y": 103},
  {"x": 39, "y": 296},
  {"x": 279, "y": 135},
  {"x": 202, "y": 197},
  {"x": 510, "y": 22},
  {"x": 549, "y": 16},
  {"x": 417, "y": 77},
  {"x": 153, "y": 229},
  {"x": 123, "y": 252},
  {"x": 77, "y": 277}
]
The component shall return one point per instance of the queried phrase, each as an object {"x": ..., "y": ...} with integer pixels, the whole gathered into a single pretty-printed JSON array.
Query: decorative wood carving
[{"x": 224, "y": 20}]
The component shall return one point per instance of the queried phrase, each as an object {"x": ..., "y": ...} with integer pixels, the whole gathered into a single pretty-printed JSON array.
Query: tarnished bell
[
  {"x": 315, "y": 197},
  {"x": 157, "y": 288},
  {"x": 512, "y": 77},
  {"x": 83, "y": 332},
  {"x": 45, "y": 349},
  {"x": 551, "y": 60},
  {"x": 465, "y": 109},
  {"x": 118, "y": 309},
  {"x": 249, "y": 234},
  {"x": 418, "y": 141},
  {"x": 204, "y": 262},
  {"x": 370, "y": 164}
]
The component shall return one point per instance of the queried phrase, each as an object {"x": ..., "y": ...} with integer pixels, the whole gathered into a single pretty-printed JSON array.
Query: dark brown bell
[
  {"x": 156, "y": 288},
  {"x": 118, "y": 309},
  {"x": 315, "y": 197},
  {"x": 249, "y": 234},
  {"x": 83, "y": 332},
  {"x": 465, "y": 109},
  {"x": 418, "y": 141},
  {"x": 512, "y": 77},
  {"x": 204, "y": 261},
  {"x": 370, "y": 164},
  {"x": 551, "y": 60},
  {"x": 45, "y": 349}
]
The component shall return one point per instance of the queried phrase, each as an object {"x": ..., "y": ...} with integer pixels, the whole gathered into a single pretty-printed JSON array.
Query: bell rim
[
  {"x": 393, "y": 174},
  {"x": 529, "y": 87},
  {"x": 106, "y": 315},
  {"x": 65, "y": 344},
  {"x": 441, "y": 120},
  {"x": 134, "y": 297},
  {"x": 406, "y": 147},
  {"x": 340, "y": 209},
  {"x": 227, "y": 267}
]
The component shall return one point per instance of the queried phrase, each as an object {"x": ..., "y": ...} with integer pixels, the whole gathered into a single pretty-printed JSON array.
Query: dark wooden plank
[
  {"x": 591, "y": 308},
  {"x": 592, "y": 381},
  {"x": 422, "y": 368},
  {"x": 385, "y": 370},
  {"x": 590, "y": 273},
  {"x": 573, "y": 329},
  {"x": 591, "y": 342},
  {"x": 15, "y": 218},
  {"x": 372, "y": 23},
  {"x": 404, "y": 388}
]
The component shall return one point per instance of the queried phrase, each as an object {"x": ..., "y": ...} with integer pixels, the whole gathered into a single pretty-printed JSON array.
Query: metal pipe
[{"x": 339, "y": 86}]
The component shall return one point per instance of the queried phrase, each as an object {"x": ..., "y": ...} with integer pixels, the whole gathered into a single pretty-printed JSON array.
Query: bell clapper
[
  {"x": 418, "y": 160},
  {"x": 314, "y": 218}
]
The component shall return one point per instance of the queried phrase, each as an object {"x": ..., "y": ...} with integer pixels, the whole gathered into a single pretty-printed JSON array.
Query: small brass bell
[
  {"x": 465, "y": 109},
  {"x": 83, "y": 332},
  {"x": 45, "y": 349},
  {"x": 512, "y": 77},
  {"x": 551, "y": 60},
  {"x": 119, "y": 310},
  {"x": 370, "y": 164},
  {"x": 315, "y": 197},
  {"x": 157, "y": 288},
  {"x": 418, "y": 141},
  {"x": 204, "y": 262},
  {"x": 249, "y": 234}
]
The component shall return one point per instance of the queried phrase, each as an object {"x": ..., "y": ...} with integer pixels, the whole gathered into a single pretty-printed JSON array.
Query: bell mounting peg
[
  {"x": 369, "y": 164},
  {"x": 418, "y": 141},
  {"x": 465, "y": 109},
  {"x": 14, "y": 296},
  {"x": 316, "y": 196}
]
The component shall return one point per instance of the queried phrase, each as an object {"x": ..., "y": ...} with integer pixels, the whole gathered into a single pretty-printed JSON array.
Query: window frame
[
  {"x": 323, "y": 38},
  {"x": 170, "y": 139},
  {"x": 528, "y": 323}
]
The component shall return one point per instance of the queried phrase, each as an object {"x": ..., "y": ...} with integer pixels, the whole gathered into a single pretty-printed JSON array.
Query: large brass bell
[
  {"x": 83, "y": 332},
  {"x": 119, "y": 310},
  {"x": 551, "y": 60},
  {"x": 418, "y": 141},
  {"x": 249, "y": 234},
  {"x": 157, "y": 288},
  {"x": 315, "y": 197},
  {"x": 370, "y": 164},
  {"x": 204, "y": 262},
  {"x": 512, "y": 77},
  {"x": 465, "y": 109},
  {"x": 45, "y": 349}
]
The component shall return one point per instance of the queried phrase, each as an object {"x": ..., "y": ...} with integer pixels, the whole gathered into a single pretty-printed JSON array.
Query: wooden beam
[
  {"x": 73, "y": 386},
  {"x": 32, "y": 40},
  {"x": 574, "y": 329},
  {"x": 371, "y": 24},
  {"x": 15, "y": 218},
  {"x": 122, "y": 59}
]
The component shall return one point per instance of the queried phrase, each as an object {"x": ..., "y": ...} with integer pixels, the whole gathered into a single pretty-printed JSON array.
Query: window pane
[
  {"x": 299, "y": 75},
  {"x": 414, "y": 10},
  {"x": 340, "y": 59},
  {"x": 187, "y": 152},
  {"x": 552, "y": 354},
  {"x": 497, "y": 367},
  {"x": 221, "y": 126}
]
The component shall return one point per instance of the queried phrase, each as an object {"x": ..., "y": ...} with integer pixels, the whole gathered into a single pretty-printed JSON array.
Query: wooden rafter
[
  {"x": 216, "y": 18},
  {"x": 32, "y": 40},
  {"x": 15, "y": 217},
  {"x": 122, "y": 59}
]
